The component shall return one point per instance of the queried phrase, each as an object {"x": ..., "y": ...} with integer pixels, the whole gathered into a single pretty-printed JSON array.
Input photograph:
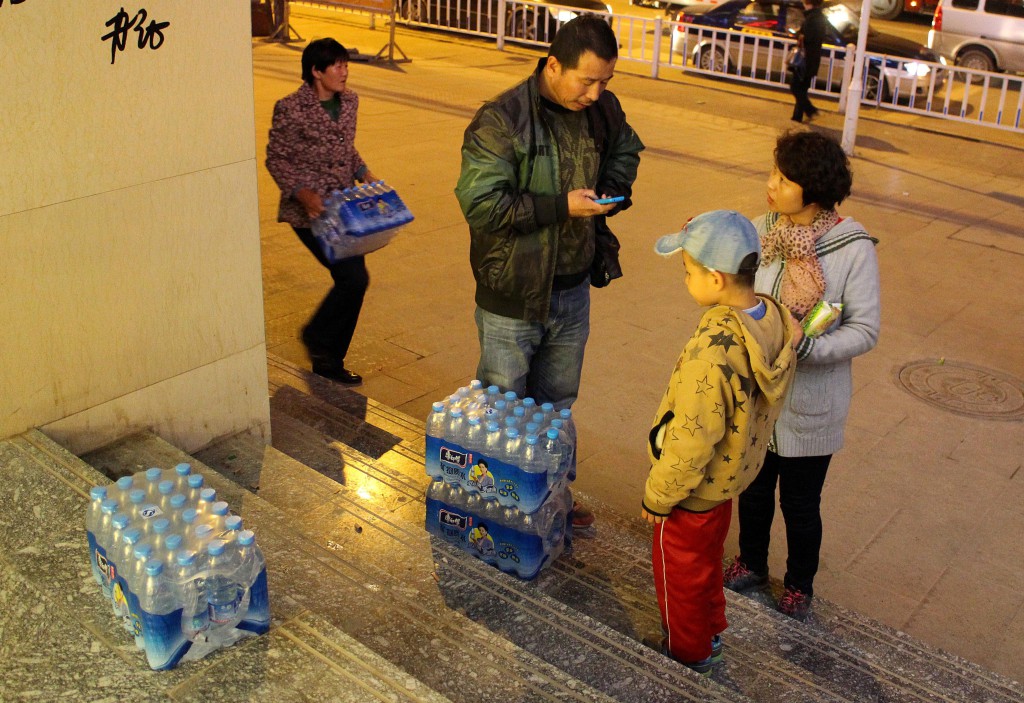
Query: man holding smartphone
[{"x": 535, "y": 161}]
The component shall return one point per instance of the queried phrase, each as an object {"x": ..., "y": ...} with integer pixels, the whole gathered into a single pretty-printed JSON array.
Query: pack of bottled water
[
  {"x": 506, "y": 463},
  {"x": 359, "y": 220},
  {"x": 182, "y": 575}
]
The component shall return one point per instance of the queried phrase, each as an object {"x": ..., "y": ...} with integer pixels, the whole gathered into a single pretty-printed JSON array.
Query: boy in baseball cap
[{"x": 712, "y": 427}]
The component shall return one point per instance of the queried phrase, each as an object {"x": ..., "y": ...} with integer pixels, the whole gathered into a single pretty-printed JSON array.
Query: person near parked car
[
  {"x": 312, "y": 152},
  {"x": 810, "y": 38},
  {"x": 535, "y": 160},
  {"x": 810, "y": 254}
]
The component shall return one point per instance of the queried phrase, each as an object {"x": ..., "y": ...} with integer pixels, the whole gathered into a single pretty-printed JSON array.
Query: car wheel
[
  {"x": 712, "y": 58},
  {"x": 872, "y": 83},
  {"x": 522, "y": 25},
  {"x": 886, "y": 9},
  {"x": 976, "y": 58},
  {"x": 411, "y": 10}
]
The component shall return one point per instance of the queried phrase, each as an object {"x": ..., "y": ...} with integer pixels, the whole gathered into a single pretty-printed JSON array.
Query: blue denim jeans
[{"x": 540, "y": 360}]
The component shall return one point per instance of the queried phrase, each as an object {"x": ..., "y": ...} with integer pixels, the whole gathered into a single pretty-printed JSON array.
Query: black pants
[
  {"x": 799, "y": 84},
  {"x": 329, "y": 332},
  {"x": 800, "y": 480}
]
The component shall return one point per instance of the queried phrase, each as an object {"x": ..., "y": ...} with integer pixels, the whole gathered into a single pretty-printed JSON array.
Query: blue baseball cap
[{"x": 719, "y": 240}]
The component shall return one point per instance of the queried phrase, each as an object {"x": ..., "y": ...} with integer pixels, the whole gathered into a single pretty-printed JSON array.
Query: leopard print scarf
[{"x": 803, "y": 283}]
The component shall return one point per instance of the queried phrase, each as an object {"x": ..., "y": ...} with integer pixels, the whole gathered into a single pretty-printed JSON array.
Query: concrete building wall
[{"x": 130, "y": 283}]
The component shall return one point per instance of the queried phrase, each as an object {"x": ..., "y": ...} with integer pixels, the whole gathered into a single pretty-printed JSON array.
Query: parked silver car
[{"x": 987, "y": 35}]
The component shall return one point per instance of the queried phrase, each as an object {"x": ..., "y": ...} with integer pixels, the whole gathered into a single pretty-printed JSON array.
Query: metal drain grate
[{"x": 964, "y": 389}]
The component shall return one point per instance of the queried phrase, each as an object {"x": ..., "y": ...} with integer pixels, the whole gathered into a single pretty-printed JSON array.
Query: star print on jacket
[{"x": 721, "y": 397}]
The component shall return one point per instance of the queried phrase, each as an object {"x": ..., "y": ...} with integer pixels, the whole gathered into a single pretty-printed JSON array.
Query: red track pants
[{"x": 687, "y": 556}]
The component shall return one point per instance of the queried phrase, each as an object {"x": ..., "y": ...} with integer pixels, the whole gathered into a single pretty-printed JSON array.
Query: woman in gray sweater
[{"x": 810, "y": 254}]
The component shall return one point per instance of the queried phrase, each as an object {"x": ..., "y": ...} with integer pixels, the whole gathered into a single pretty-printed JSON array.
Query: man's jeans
[{"x": 540, "y": 360}]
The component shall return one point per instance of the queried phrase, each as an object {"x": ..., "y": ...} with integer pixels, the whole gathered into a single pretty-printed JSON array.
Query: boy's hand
[{"x": 653, "y": 519}]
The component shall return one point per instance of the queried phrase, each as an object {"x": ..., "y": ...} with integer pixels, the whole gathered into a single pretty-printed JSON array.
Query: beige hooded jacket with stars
[{"x": 712, "y": 427}]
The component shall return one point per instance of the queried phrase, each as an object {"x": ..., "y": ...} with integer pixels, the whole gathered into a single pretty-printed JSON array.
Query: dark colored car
[
  {"x": 762, "y": 45},
  {"x": 534, "y": 22}
]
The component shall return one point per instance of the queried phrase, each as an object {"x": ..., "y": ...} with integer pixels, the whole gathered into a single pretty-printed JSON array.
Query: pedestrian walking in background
[
  {"x": 535, "y": 160},
  {"x": 809, "y": 38},
  {"x": 712, "y": 427},
  {"x": 312, "y": 152},
  {"x": 810, "y": 254}
]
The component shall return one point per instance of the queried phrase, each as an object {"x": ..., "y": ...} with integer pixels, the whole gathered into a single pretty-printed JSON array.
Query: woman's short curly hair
[{"x": 817, "y": 164}]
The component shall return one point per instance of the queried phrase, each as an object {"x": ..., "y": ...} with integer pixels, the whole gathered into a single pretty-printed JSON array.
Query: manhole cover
[{"x": 965, "y": 389}]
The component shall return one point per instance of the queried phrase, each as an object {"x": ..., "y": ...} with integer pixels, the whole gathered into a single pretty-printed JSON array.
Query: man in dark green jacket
[{"x": 534, "y": 162}]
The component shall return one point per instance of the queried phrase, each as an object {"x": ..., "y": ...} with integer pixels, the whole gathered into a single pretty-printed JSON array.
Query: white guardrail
[{"x": 934, "y": 89}]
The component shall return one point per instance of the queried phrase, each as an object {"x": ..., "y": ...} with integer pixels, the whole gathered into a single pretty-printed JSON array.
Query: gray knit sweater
[{"x": 815, "y": 410}]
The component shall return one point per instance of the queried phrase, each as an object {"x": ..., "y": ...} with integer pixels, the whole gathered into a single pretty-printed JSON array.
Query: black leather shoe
[{"x": 336, "y": 373}]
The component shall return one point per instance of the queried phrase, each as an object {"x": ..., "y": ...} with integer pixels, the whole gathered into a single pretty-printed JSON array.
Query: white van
[{"x": 983, "y": 34}]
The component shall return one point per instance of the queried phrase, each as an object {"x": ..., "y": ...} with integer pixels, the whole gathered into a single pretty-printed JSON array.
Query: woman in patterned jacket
[{"x": 312, "y": 152}]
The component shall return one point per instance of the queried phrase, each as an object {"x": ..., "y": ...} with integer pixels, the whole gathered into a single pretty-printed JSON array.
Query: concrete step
[
  {"x": 356, "y": 554},
  {"x": 60, "y": 640},
  {"x": 837, "y": 655}
]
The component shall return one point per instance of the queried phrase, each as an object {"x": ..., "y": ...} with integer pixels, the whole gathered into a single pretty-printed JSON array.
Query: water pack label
[{"x": 520, "y": 553}]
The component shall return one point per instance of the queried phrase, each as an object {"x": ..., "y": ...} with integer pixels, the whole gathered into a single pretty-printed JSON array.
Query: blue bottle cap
[
  {"x": 207, "y": 495},
  {"x": 98, "y": 493},
  {"x": 455, "y": 412},
  {"x": 183, "y": 469},
  {"x": 215, "y": 548},
  {"x": 189, "y": 516},
  {"x": 438, "y": 407},
  {"x": 565, "y": 413},
  {"x": 511, "y": 397},
  {"x": 512, "y": 433},
  {"x": 219, "y": 508},
  {"x": 186, "y": 557},
  {"x": 532, "y": 427},
  {"x": 492, "y": 390},
  {"x": 203, "y": 531},
  {"x": 154, "y": 567},
  {"x": 233, "y": 522},
  {"x": 493, "y": 426},
  {"x": 120, "y": 521},
  {"x": 161, "y": 525},
  {"x": 153, "y": 475},
  {"x": 165, "y": 487},
  {"x": 142, "y": 551},
  {"x": 529, "y": 402},
  {"x": 131, "y": 536},
  {"x": 500, "y": 405},
  {"x": 547, "y": 407},
  {"x": 552, "y": 433},
  {"x": 519, "y": 411},
  {"x": 136, "y": 495},
  {"x": 195, "y": 481},
  {"x": 557, "y": 423},
  {"x": 109, "y": 505},
  {"x": 172, "y": 543},
  {"x": 246, "y": 537},
  {"x": 474, "y": 419},
  {"x": 125, "y": 483},
  {"x": 178, "y": 501},
  {"x": 531, "y": 439}
]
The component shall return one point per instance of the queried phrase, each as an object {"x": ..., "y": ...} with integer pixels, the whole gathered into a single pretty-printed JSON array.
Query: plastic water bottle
[
  {"x": 534, "y": 487},
  {"x": 172, "y": 543},
  {"x": 511, "y": 399},
  {"x": 454, "y": 432},
  {"x": 549, "y": 411},
  {"x": 195, "y": 485},
  {"x": 182, "y": 471},
  {"x": 97, "y": 494},
  {"x": 570, "y": 448},
  {"x": 107, "y": 509},
  {"x": 223, "y": 592},
  {"x": 176, "y": 505},
  {"x": 217, "y": 515},
  {"x": 232, "y": 526},
  {"x": 474, "y": 437},
  {"x": 493, "y": 440},
  {"x": 166, "y": 489},
  {"x": 511, "y": 422},
  {"x": 436, "y": 423},
  {"x": 558, "y": 457},
  {"x": 118, "y": 524},
  {"x": 207, "y": 497},
  {"x": 500, "y": 409},
  {"x": 529, "y": 404},
  {"x": 191, "y": 595},
  {"x": 160, "y": 622},
  {"x": 153, "y": 478},
  {"x": 119, "y": 491},
  {"x": 512, "y": 452},
  {"x": 121, "y": 591},
  {"x": 136, "y": 501}
]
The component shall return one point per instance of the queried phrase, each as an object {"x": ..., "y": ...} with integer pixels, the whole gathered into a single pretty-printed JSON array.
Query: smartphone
[{"x": 605, "y": 201}]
